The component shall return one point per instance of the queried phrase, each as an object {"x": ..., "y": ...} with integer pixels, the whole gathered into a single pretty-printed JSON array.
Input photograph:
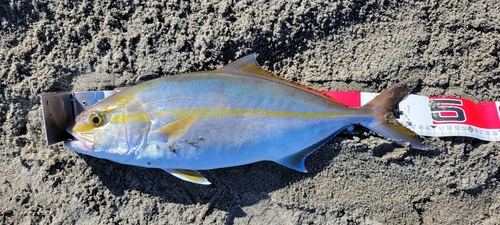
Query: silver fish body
[{"x": 233, "y": 116}]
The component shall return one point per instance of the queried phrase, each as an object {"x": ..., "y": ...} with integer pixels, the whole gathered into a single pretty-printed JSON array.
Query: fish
[{"x": 236, "y": 115}]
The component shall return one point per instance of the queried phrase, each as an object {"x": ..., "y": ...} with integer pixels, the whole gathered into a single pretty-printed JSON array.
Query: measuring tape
[{"x": 438, "y": 116}]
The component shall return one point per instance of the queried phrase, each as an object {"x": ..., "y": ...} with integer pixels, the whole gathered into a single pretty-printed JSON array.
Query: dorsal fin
[{"x": 247, "y": 66}]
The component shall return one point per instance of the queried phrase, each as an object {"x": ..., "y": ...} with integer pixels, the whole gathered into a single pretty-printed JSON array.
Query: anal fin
[
  {"x": 296, "y": 161},
  {"x": 189, "y": 175}
]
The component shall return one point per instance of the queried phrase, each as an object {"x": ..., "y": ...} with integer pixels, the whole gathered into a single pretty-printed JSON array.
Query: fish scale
[{"x": 233, "y": 116}]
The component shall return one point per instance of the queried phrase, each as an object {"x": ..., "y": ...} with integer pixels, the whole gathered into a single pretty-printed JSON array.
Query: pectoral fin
[
  {"x": 176, "y": 129},
  {"x": 189, "y": 175}
]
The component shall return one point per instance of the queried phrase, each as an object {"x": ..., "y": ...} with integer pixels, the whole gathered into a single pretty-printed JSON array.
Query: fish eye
[{"x": 96, "y": 119}]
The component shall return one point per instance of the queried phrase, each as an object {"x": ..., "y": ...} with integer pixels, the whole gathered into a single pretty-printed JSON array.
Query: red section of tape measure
[
  {"x": 444, "y": 110},
  {"x": 348, "y": 98}
]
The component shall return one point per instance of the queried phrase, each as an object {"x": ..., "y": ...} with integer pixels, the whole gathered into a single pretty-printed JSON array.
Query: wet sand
[{"x": 357, "y": 178}]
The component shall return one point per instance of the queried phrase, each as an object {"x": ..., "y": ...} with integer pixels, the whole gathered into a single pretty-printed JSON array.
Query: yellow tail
[{"x": 384, "y": 123}]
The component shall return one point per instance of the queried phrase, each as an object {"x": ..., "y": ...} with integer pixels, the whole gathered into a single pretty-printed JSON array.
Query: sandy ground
[{"x": 357, "y": 178}]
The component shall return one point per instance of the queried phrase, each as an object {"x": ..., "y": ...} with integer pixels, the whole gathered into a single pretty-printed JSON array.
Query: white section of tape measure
[
  {"x": 416, "y": 116},
  {"x": 366, "y": 97},
  {"x": 415, "y": 110},
  {"x": 448, "y": 130}
]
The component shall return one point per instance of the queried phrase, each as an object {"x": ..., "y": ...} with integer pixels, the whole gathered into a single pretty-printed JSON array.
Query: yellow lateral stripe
[
  {"x": 129, "y": 118},
  {"x": 207, "y": 113}
]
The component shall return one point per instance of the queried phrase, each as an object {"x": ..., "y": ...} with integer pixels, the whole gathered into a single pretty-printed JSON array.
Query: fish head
[
  {"x": 113, "y": 126},
  {"x": 88, "y": 129}
]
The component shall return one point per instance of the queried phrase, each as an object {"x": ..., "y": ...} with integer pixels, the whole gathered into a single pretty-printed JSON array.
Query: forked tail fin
[{"x": 384, "y": 123}]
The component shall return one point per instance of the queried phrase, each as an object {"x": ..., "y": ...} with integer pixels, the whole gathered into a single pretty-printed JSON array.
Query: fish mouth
[
  {"x": 77, "y": 145},
  {"x": 82, "y": 142}
]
